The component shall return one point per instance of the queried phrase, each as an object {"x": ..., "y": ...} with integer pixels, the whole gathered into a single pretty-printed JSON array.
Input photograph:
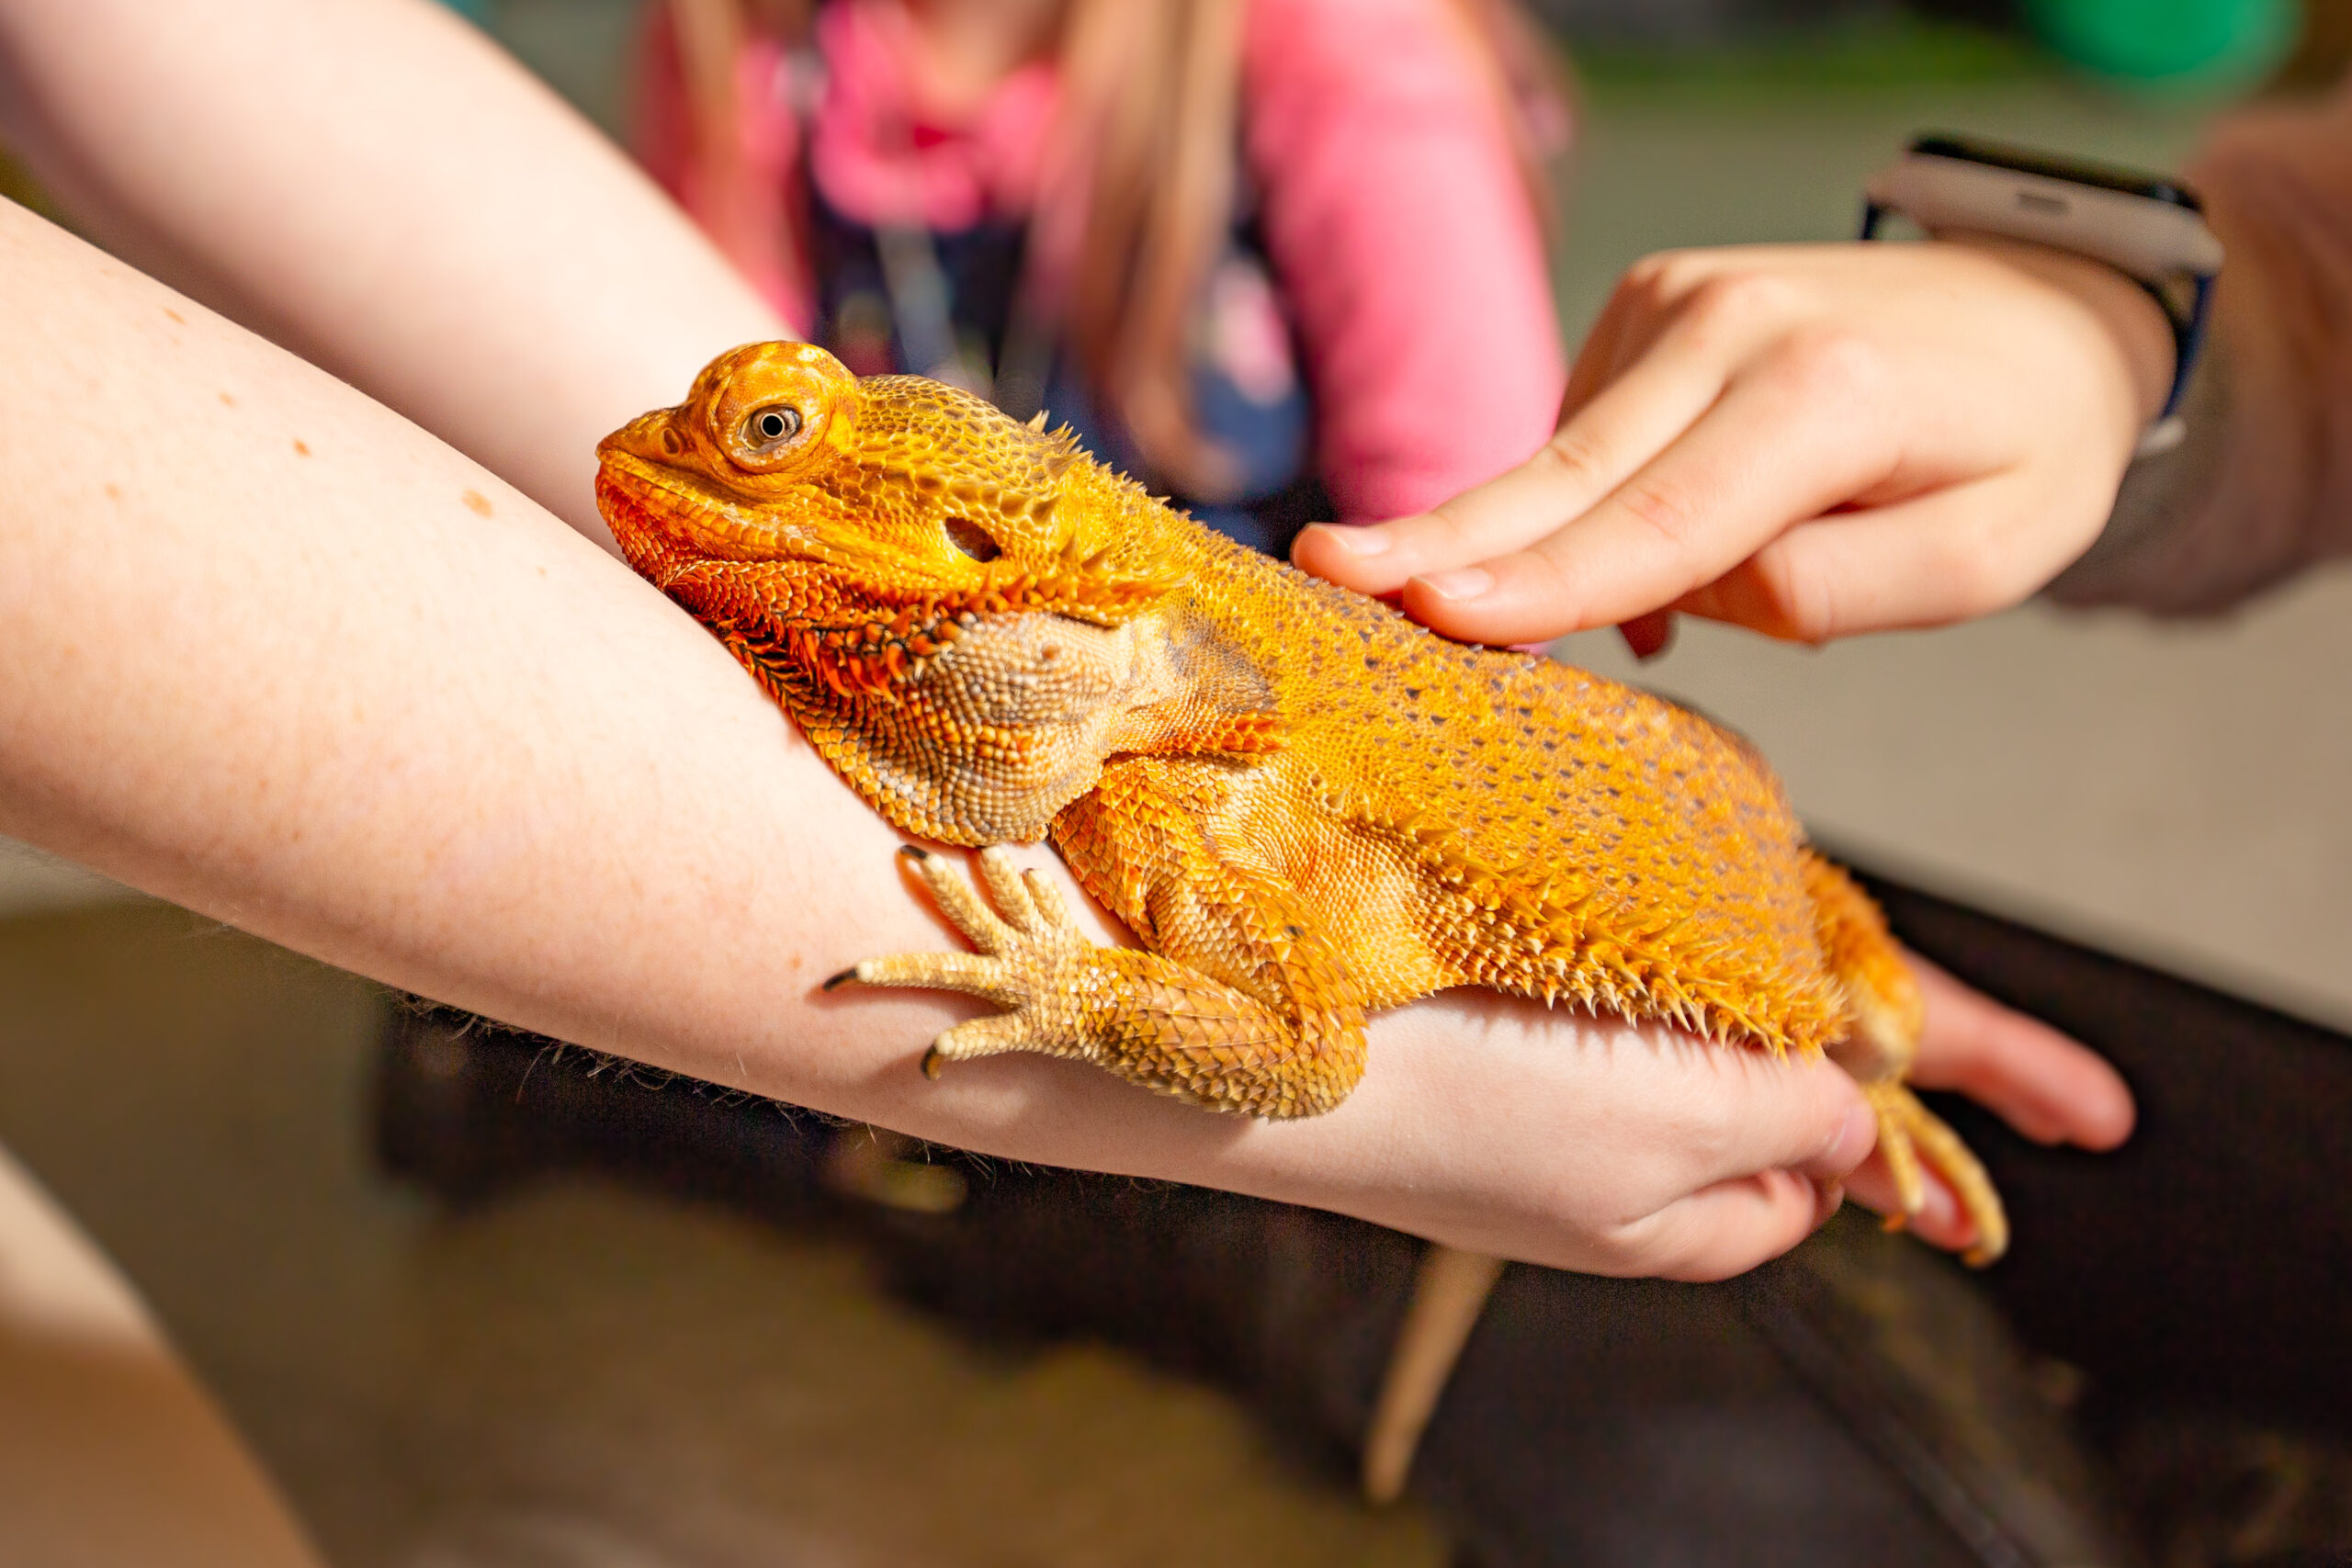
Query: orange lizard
[{"x": 1305, "y": 807}]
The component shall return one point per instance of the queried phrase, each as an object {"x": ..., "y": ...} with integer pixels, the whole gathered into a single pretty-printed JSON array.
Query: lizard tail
[{"x": 1450, "y": 1290}]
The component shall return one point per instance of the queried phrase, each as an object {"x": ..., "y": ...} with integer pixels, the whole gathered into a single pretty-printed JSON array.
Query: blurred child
[{"x": 1281, "y": 258}]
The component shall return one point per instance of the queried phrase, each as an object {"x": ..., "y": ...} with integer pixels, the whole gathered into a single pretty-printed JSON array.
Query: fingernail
[
  {"x": 1468, "y": 582},
  {"x": 1357, "y": 542},
  {"x": 1831, "y": 1198},
  {"x": 1648, "y": 637},
  {"x": 1856, "y": 1136}
]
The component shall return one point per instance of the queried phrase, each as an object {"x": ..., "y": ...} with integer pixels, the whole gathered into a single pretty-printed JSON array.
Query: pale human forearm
[
  {"x": 376, "y": 185},
  {"x": 280, "y": 656}
]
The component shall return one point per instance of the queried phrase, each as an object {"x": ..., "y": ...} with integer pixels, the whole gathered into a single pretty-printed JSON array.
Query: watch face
[{"x": 2073, "y": 171}]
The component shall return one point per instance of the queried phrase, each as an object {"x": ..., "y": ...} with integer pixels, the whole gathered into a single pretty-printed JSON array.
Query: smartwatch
[{"x": 2151, "y": 228}]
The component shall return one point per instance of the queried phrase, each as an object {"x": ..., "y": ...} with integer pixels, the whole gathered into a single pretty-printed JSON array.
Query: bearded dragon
[{"x": 1305, "y": 807}]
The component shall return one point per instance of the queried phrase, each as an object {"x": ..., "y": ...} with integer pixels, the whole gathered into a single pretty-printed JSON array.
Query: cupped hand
[
  {"x": 1678, "y": 1159},
  {"x": 2045, "y": 1086},
  {"x": 1811, "y": 441},
  {"x": 1591, "y": 1144}
]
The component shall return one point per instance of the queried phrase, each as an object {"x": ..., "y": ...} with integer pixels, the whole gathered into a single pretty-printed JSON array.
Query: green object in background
[
  {"x": 2184, "y": 43},
  {"x": 475, "y": 11}
]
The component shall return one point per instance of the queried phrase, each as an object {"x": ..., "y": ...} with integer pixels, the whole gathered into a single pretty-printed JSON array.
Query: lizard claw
[{"x": 1914, "y": 1140}]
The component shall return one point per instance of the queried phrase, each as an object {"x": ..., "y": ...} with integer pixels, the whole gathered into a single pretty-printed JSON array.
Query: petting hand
[
  {"x": 1811, "y": 441},
  {"x": 2043, "y": 1085}
]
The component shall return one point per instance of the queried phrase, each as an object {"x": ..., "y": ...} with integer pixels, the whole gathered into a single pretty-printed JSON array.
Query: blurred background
[{"x": 586, "y": 1374}]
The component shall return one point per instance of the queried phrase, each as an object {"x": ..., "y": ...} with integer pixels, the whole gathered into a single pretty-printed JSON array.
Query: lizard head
[{"x": 842, "y": 531}]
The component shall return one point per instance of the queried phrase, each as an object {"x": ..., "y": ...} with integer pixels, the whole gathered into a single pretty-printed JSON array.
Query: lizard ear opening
[{"x": 972, "y": 539}]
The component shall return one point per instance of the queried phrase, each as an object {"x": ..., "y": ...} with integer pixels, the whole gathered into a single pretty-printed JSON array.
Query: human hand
[
  {"x": 1810, "y": 441},
  {"x": 2042, "y": 1084},
  {"x": 1690, "y": 1161},
  {"x": 1606, "y": 1147}
]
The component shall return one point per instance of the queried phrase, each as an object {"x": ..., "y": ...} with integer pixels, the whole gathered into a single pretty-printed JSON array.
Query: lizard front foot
[
  {"x": 1914, "y": 1139},
  {"x": 1145, "y": 1016},
  {"x": 1027, "y": 953}
]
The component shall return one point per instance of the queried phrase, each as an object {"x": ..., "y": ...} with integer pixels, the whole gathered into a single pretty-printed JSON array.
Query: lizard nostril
[{"x": 670, "y": 441}]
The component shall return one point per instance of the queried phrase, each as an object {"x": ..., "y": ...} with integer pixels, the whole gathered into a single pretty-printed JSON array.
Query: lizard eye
[
  {"x": 972, "y": 539},
  {"x": 772, "y": 409},
  {"x": 766, "y": 429}
]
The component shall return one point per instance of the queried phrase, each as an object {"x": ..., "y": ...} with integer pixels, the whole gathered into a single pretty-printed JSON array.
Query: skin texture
[{"x": 1304, "y": 808}]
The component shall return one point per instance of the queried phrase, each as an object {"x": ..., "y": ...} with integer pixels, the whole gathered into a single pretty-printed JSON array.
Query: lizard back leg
[{"x": 1878, "y": 1052}]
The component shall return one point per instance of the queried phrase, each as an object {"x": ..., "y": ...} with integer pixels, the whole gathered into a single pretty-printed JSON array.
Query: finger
[
  {"x": 995, "y": 1035},
  {"x": 1727, "y": 1228},
  {"x": 1931, "y": 561},
  {"x": 1598, "y": 358},
  {"x": 1941, "y": 1222},
  {"x": 1053, "y": 910},
  {"x": 1624, "y": 426},
  {"x": 972, "y": 973},
  {"x": 1380, "y": 557},
  {"x": 1651, "y": 301},
  {"x": 957, "y": 901},
  {"x": 1763, "y": 459},
  {"x": 2045, "y": 1084}
]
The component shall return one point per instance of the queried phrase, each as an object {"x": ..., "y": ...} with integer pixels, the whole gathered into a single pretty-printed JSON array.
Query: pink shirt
[{"x": 1408, "y": 262}]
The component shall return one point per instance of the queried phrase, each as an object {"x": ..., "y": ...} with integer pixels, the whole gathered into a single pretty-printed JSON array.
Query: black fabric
[{"x": 2210, "y": 1259}]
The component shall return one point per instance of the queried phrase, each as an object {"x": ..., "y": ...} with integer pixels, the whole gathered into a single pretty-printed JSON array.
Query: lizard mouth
[
  {"x": 702, "y": 552},
  {"x": 644, "y": 502},
  {"x": 729, "y": 566}
]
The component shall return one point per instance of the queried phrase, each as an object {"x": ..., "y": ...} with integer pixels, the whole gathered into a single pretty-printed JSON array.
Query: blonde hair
[{"x": 1138, "y": 197}]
